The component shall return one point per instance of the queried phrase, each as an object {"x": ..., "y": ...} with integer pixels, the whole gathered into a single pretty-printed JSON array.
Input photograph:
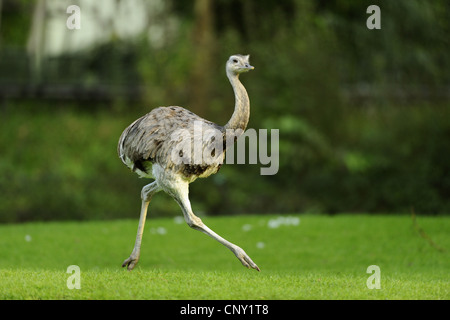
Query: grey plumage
[
  {"x": 153, "y": 138},
  {"x": 175, "y": 146}
]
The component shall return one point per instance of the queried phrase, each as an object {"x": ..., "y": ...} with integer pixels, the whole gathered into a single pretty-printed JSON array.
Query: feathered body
[{"x": 161, "y": 135}]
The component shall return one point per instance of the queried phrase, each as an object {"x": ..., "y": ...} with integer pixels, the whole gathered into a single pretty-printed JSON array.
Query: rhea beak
[{"x": 249, "y": 67}]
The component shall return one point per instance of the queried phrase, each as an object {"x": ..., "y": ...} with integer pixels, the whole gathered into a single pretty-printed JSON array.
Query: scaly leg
[
  {"x": 181, "y": 196},
  {"x": 147, "y": 193}
]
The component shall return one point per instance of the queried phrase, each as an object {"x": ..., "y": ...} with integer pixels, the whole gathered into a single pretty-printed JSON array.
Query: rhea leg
[
  {"x": 181, "y": 196},
  {"x": 146, "y": 194}
]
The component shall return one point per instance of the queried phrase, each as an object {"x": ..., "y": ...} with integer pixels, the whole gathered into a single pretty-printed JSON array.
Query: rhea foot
[
  {"x": 245, "y": 259},
  {"x": 132, "y": 261}
]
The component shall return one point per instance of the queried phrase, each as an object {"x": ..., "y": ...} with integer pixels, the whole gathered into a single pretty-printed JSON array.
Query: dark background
[{"x": 363, "y": 115}]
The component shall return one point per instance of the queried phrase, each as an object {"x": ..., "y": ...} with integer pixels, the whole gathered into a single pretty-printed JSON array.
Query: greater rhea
[{"x": 174, "y": 147}]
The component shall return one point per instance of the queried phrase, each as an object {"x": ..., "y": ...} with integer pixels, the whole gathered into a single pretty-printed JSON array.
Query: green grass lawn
[{"x": 304, "y": 257}]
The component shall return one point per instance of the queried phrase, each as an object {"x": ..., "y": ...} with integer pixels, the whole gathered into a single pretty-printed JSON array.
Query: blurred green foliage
[{"x": 363, "y": 114}]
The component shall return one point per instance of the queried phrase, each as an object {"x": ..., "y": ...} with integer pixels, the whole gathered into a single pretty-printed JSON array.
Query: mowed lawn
[{"x": 300, "y": 256}]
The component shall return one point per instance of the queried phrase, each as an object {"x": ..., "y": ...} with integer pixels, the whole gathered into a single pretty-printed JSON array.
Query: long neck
[{"x": 241, "y": 114}]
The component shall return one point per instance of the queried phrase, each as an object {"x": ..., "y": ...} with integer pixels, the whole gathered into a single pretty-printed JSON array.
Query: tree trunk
[{"x": 203, "y": 39}]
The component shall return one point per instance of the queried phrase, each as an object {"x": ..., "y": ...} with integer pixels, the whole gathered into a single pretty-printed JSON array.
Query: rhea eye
[{"x": 235, "y": 61}]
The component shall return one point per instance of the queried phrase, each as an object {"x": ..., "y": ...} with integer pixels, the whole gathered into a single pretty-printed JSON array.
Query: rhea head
[{"x": 238, "y": 63}]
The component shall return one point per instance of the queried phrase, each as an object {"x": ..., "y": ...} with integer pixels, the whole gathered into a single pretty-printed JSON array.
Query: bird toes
[
  {"x": 130, "y": 263},
  {"x": 251, "y": 264},
  {"x": 246, "y": 260}
]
